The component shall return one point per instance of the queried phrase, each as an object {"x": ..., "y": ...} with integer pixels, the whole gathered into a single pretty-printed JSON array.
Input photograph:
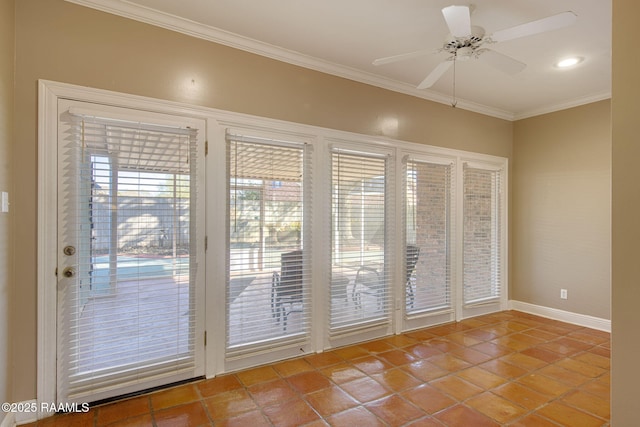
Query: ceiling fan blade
[
  {"x": 402, "y": 57},
  {"x": 534, "y": 27},
  {"x": 435, "y": 75},
  {"x": 458, "y": 20},
  {"x": 502, "y": 62}
]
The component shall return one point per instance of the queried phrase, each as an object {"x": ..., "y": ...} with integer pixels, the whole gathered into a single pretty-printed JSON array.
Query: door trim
[
  {"x": 47, "y": 238},
  {"x": 48, "y": 95}
]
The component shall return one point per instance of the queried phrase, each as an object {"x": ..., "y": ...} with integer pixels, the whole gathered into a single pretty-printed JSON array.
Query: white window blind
[
  {"x": 428, "y": 229},
  {"x": 482, "y": 235},
  {"x": 360, "y": 276},
  {"x": 127, "y": 206},
  {"x": 269, "y": 250}
]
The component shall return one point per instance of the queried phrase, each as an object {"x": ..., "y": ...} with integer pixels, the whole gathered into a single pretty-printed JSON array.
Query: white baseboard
[
  {"x": 20, "y": 418},
  {"x": 564, "y": 316},
  {"x": 9, "y": 420}
]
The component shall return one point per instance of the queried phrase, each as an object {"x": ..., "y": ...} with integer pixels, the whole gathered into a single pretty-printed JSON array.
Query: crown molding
[
  {"x": 147, "y": 15},
  {"x": 583, "y": 100},
  {"x": 216, "y": 35}
]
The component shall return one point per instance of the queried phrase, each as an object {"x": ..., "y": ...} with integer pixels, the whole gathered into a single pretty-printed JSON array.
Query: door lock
[
  {"x": 69, "y": 250},
  {"x": 69, "y": 272}
]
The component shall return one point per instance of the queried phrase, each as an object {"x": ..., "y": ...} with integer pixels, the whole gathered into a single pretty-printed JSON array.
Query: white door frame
[{"x": 48, "y": 95}]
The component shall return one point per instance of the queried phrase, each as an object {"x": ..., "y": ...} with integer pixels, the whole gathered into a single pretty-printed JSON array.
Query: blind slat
[
  {"x": 482, "y": 230},
  {"x": 360, "y": 276},
  {"x": 269, "y": 258},
  {"x": 127, "y": 204},
  {"x": 428, "y": 229}
]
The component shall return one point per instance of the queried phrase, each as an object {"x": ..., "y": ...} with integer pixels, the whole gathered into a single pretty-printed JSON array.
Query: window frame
[
  {"x": 425, "y": 318},
  {"x": 476, "y": 308},
  {"x": 218, "y": 122},
  {"x": 275, "y": 142},
  {"x": 383, "y": 325}
]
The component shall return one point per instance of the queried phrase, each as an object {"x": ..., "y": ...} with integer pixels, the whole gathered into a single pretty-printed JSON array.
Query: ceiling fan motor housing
[{"x": 464, "y": 47}]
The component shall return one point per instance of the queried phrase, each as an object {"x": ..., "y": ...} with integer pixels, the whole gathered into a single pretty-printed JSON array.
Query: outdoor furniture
[
  {"x": 286, "y": 287},
  {"x": 370, "y": 281},
  {"x": 413, "y": 252}
]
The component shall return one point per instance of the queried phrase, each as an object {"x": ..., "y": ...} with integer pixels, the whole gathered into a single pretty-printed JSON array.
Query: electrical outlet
[{"x": 563, "y": 294}]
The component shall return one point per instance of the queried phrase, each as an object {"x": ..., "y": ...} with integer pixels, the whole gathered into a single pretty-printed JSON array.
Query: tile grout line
[{"x": 488, "y": 329}]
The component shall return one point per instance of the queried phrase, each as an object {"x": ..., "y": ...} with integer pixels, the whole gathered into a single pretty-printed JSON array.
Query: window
[
  {"x": 268, "y": 249},
  {"x": 482, "y": 247},
  {"x": 360, "y": 288},
  {"x": 136, "y": 217},
  {"x": 428, "y": 225}
]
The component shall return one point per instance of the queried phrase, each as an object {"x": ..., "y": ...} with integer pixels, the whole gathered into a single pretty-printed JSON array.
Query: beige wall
[
  {"x": 6, "y": 139},
  {"x": 59, "y": 41},
  {"x": 557, "y": 158},
  {"x": 561, "y": 222},
  {"x": 625, "y": 215}
]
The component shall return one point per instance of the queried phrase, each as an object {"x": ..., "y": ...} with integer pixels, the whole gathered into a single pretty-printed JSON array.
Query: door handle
[{"x": 69, "y": 272}]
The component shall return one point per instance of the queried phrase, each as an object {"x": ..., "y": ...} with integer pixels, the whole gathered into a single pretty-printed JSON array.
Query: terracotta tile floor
[{"x": 508, "y": 368}]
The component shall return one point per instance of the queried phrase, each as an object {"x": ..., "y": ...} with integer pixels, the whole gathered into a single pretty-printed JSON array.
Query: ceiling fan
[{"x": 467, "y": 41}]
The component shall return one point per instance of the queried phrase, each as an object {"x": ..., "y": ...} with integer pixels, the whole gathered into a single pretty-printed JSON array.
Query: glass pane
[
  {"x": 359, "y": 285},
  {"x": 481, "y": 235},
  {"x": 267, "y": 274},
  {"x": 126, "y": 204},
  {"x": 427, "y": 267},
  {"x": 135, "y": 286}
]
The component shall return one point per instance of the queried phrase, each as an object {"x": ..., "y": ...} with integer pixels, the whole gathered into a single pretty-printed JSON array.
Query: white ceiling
[{"x": 343, "y": 37}]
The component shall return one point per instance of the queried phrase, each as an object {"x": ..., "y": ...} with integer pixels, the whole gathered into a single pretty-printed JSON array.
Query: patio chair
[
  {"x": 286, "y": 287},
  {"x": 369, "y": 281},
  {"x": 413, "y": 252}
]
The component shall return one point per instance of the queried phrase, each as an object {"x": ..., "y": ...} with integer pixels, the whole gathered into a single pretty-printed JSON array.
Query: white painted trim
[
  {"x": 563, "y": 106},
  {"x": 236, "y": 41},
  {"x": 216, "y": 35},
  {"x": 216, "y": 225},
  {"x": 254, "y": 123},
  {"x": 463, "y": 310},
  {"x": 29, "y": 417},
  {"x": 48, "y": 95},
  {"x": 217, "y": 122},
  {"x": 13, "y": 419},
  {"x": 9, "y": 420},
  {"x": 564, "y": 316},
  {"x": 47, "y": 246}
]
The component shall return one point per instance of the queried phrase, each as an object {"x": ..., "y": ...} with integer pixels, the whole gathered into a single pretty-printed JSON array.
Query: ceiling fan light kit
[{"x": 468, "y": 41}]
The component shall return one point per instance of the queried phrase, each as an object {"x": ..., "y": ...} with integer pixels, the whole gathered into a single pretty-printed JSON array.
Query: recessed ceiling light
[{"x": 569, "y": 62}]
